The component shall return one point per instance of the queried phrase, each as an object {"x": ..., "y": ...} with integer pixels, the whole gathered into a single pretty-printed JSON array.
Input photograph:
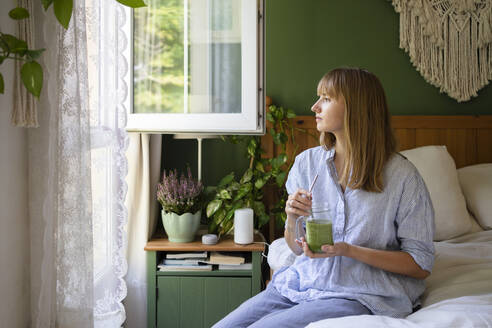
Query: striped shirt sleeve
[
  {"x": 293, "y": 183},
  {"x": 415, "y": 222}
]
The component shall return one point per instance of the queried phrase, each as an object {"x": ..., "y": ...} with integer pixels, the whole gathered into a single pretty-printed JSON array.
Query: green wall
[{"x": 304, "y": 40}]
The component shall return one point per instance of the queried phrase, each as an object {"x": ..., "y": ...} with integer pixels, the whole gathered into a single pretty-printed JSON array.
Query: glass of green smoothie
[{"x": 318, "y": 227}]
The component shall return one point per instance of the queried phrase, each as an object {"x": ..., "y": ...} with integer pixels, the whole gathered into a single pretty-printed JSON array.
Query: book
[
  {"x": 244, "y": 266},
  {"x": 184, "y": 267},
  {"x": 199, "y": 255},
  {"x": 220, "y": 258},
  {"x": 186, "y": 261}
]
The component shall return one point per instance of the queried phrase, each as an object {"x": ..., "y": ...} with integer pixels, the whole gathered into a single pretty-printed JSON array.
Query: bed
[{"x": 454, "y": 156}]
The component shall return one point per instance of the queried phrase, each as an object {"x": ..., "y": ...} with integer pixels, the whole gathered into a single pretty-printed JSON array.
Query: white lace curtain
[
  {"x": 144, "y": 164},
  {"x": 77, "y": 168}
]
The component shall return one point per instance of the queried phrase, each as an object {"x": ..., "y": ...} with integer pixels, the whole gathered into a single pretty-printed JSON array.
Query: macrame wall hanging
[{"x": 449, "y": 42}]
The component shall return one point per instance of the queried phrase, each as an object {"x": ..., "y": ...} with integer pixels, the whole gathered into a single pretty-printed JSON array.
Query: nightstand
[{"x": 198, "y": 298}]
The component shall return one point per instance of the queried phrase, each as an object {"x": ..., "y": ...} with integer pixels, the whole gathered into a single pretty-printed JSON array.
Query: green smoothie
[{"x": 318, "y": 232}]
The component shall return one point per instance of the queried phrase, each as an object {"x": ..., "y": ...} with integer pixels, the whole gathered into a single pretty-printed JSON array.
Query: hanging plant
[
  {"x": 16, "y": 49},
  {"x": 230, "y": 194}
]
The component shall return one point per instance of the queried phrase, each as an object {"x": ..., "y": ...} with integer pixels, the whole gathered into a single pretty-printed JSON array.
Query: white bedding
[{"x": 458, "y": 293}]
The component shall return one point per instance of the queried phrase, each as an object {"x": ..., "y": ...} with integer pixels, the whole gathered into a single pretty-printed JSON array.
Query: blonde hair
[{"x": 369, "y": 137}]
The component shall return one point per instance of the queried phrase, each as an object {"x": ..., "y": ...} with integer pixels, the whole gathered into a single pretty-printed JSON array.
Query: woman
[{"x": 383, "y": 219}]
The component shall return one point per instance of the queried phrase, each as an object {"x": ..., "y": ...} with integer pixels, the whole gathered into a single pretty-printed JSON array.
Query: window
[{"x": 198, "y": 67}]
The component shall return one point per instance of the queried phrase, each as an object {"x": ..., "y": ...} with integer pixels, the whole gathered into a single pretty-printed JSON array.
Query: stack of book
[
  {"x": 229, "y": 261},
  {"x": 194, "y": 261},
  {"x": 200, "y": 261}
]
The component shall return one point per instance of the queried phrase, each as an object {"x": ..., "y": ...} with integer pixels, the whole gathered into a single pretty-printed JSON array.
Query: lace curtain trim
[{"x": 103, "y": 307}]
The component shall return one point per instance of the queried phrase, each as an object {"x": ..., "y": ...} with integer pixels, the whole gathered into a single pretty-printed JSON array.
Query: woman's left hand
[{"x": 338, "y": 249}]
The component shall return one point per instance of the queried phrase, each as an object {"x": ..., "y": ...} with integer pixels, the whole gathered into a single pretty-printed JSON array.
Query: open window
[{"x": 198, "y": 67}]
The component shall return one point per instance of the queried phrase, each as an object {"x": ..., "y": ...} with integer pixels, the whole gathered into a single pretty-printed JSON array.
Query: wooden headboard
[{"x": 467, "y": 138}]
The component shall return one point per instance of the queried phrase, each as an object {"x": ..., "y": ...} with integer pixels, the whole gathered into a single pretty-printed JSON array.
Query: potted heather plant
[{"x": 182, "y": 200}]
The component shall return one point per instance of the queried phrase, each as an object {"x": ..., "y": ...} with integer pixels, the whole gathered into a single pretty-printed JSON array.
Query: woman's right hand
[{"x": 298, "y": 203}]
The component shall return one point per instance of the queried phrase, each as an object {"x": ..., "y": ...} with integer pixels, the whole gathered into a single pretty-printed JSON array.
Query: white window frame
[{"x": 251, "y": 120}]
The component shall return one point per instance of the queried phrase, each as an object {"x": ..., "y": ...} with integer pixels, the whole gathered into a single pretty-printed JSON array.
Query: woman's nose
[{"x": 315, "y": 107}]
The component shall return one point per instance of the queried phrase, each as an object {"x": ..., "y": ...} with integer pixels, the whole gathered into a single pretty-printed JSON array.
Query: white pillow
[
  {"x": 438, "y": 170},
  {"x": 476, "y": 183}
]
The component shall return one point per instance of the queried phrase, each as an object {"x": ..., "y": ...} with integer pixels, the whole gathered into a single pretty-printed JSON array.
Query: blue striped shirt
[{"x": 399, "y": 218}]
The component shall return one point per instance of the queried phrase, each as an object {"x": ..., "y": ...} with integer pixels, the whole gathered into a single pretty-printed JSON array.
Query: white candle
[{"x": 243, "y": 226}]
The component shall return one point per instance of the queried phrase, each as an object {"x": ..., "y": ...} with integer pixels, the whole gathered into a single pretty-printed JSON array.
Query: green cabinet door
[{"x": 189, "y": 302}]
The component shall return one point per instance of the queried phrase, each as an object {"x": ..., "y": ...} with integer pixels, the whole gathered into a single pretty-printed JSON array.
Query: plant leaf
[
  {"x": 11, "y": 44},
  {"x": 282, "y": 137},
  {"x": 63, "y": 11},
  {"x": 34, "y": 54},
  {"x": 2, "y": 58},
  {"x": 18, "y": 13},
  {"x": 247, "y": 176},
  {"x": 244, "y": 190},
  {"x": 213, "y": 206},
  {"x": 230, "y": 213},
  {"x": 226, "y": 180},
  {"x": 276, "y": 139},
  {"x": 224, "y": 194},
  {"x": 260, "y": 183},
  {"x": 269, "y": 117},
  {"x": 280, "y": 178},
  {"x": 234, "y": 186},
  {"x": 132, "y": 3},
  {"x": 217, "y": 220},
  {"x": 259, "y": 207},
  {"x": 32, "y": 77},
  {"x": 282, "y": 159},
  {"x": 225, "y": 222},
  {"x": 252, "y": 147},
  {"x": 46, "y": 4},
  {"x": 226, "y": 227},
  {"x": 259, "y": 167},
  {"x": 290, "y": 113},
  {"x": 263, "y": 219},
  {"x": 2, "y": 84},
  {"x": 280, "y": 219},
  {"x": 279, "y": 161},
  {"x": 3, "y": 45}
]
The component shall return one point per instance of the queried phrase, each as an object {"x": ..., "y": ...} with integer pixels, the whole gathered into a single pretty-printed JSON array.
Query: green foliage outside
[{"x": 159, "y": 58}]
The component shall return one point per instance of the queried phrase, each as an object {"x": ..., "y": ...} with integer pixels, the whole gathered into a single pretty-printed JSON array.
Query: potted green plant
[
  {"x": 262, "y": 173},
  {"x": 182, "y": 200}
]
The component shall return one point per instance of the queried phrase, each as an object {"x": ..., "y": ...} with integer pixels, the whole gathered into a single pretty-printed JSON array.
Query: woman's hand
[
  {"x": 393, "y": 261},
  {"x": 298, "y": 203},
  {"x": 338, "y": 249}
]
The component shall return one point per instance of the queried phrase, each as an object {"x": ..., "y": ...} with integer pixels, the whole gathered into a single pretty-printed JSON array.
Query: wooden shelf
[{"x": 225, "y": 244}]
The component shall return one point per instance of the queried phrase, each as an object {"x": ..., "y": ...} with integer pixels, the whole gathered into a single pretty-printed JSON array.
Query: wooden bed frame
[{"x": 467, "y": 138}]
